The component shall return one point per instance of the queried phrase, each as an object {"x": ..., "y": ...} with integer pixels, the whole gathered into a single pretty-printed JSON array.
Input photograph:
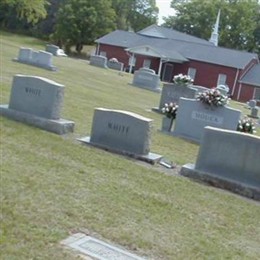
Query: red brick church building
[{"x": 169, "y": 52}]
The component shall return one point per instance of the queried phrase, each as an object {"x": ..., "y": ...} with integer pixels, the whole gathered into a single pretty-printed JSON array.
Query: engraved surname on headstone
[
  {"x": 118, "y": 128},
  {"x": 207, "y": 117},
  {"x": 34, "y": 92}
]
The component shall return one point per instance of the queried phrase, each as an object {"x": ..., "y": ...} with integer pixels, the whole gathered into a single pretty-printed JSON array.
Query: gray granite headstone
[
  {"x": 98, "y": 61},
  {"x": 146, "y": 78},
  {"x": 228, "y": 159},
  {"x": 254, "y": 112},
  {"x": 193, "y": 116},
  {"x": 223, "y": 89},
  {"x": 252, "y": 103},
  {"x": 41, "y": 59},
  {"x": 172, "y": 93},
  {"x": 52, "y": 49},
  {"x": 25, "y": 54},
  {"x": 115, "y": 65},
  {"x": 36, "y": 95},
  {"x": 37, "y": 101},
  {"x": 123, "y": 132}
]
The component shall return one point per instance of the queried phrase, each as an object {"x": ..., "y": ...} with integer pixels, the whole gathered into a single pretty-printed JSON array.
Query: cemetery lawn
[{"x": 52, "y": 186}]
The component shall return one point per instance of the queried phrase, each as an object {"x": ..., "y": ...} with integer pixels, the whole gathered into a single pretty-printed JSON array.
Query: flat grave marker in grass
[{"x": 96, "y": 248}]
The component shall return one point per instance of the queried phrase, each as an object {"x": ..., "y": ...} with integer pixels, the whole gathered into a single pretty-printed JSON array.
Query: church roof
[
  {"x": 252, "y": 77},
  {"x": 170, "y": 43}
]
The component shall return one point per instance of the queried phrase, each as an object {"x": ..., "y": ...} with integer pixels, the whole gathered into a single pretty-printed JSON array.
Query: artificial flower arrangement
[
  {"x": 213, "y": 97},
  {"x": 246, "y": 125},
  {"x": 183, "y": 79},
  {"x": 170, "y": 110}
]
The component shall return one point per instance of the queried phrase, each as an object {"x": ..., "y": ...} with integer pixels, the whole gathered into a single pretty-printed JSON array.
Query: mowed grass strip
[{"x": 52, "y": 186}]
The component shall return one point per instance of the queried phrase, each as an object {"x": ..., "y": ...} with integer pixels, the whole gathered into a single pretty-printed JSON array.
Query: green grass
[{"x": 52, "y": 186}]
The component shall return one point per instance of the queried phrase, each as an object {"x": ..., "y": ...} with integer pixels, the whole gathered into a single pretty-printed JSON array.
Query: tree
[
  {"x": 29, "y": 11},
  {"x": 142, "y": 13},
  {"x": 82, "y": 21},
  {"x": 238, "y": 22},
  {"x": 135, "y": 14},
  {"x": 45, "y": 27}
]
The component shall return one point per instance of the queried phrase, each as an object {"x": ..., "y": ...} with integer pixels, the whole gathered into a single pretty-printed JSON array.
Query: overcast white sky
[{"x": 164, "y": 9}]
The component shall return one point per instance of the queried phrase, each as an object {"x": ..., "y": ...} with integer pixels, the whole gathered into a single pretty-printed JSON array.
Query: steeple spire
[{"x": 214, "y": 34}]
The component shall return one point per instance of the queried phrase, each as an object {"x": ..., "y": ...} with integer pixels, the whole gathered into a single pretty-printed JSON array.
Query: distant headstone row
[
  {"x": 102, "y": 62},
  {"x": 41, "y": 59},
  {"x": 228, "y": 159}
]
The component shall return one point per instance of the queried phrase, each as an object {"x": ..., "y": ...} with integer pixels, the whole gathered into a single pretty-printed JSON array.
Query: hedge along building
[{"x": 170, "y": 52}]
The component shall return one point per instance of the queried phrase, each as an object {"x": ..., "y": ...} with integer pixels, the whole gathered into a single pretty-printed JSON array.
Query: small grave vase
[{"x": 167, "y": 124}]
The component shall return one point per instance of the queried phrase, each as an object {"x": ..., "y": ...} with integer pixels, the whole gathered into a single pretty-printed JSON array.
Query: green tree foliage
[
  {"x": 24, "y": 11},
  {"x": 239, "y": 21},
  {"x": 82, "y": 21},
  {"x": 135, "y": 14},
  {"x": 45, "y": 27}
]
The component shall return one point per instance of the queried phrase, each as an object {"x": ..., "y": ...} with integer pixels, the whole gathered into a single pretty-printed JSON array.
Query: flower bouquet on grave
[
  {"x": 170, "y": 111},
  {"x": 246, "y": 125},
  {"x": 213, "y": 97},
  {"x": 183, "y": 80}
]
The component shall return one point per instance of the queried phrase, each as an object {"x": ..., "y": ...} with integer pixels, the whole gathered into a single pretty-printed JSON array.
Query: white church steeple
[{"x": 214, "y": 34}]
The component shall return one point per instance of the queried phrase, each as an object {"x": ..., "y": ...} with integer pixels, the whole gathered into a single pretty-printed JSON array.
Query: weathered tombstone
[
  {"x": 41, "y": 59},
  {"x": 35, "y": 57},
  {"x": 173, "y": 92},
  {"x": 52, "y": 49},
  {"x": 45, "y": 58},
  {"x": 55, "y": 50},
  {"x": 123, "y": 132},
  {"x": 37, "y": 101},
  {"x": 25, "y": 54},
  {"x": 254, "y": 112},
  {"x": 252, "y": 103},
  {"x": 115, "y": 65},
  {"x": 193, "y": 116},
  {"x": 228, "y": 159},
  {"x": 98, "y": 61},
  {"x": 147, "y": 79},
  {"x": 223, "y": 89}
]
